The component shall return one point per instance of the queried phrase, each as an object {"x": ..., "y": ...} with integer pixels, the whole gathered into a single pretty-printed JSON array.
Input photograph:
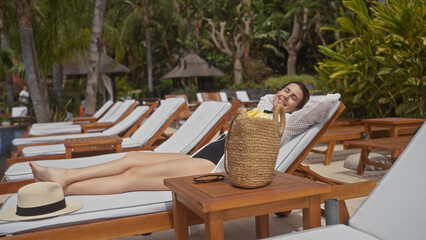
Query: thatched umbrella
[
  {"x": 79, "y": 66},
  {"x": 193, "y": 66}
]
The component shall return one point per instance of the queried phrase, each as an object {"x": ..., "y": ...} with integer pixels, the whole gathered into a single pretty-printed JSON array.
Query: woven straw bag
[{"x": 251, "y": 148}]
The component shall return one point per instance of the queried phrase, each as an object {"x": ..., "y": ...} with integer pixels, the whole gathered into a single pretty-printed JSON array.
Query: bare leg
[
  {"x": 141, "y": 178},
  {"x": 130, "y": 160}
]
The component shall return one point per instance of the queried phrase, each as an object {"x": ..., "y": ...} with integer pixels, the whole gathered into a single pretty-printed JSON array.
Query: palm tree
[
  {"x": 94, "y": 56},
  {"x": 61, "y": 31},
  {"x": 32, "y": 75},
  {"x": 5, "y": 44},
  {"x": 143, "y": 10}
]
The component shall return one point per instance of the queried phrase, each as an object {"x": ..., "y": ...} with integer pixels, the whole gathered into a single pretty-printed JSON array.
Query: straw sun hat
[{"x": 40, "y": 200}]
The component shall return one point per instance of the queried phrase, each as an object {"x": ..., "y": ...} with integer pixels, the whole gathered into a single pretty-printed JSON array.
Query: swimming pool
[{"x": 7, "y": 134}]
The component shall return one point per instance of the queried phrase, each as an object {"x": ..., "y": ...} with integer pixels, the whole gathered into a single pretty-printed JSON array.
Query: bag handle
[
  {"x": 241, "y": 114},
  {"x": 279, "y": 111}
]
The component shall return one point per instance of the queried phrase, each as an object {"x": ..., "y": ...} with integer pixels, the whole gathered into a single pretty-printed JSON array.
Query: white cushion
[
  {"x": 18, "y": 112},
  {"x": 396, "y": 208},
  {"x": 195, "y": 128},
  {"x": 127, "y": 122},
  {"x": 223, "y": 96},
  {"x": 102, "y": 110},
  {"x": 106, "y": 117},
  {"x": 48, "y": 139},
  {"x": 157, "y": 119},
  {"x": 54, "y": 129},
  {"x": 242, "y": 96},
  {"x": 50, "y": 125},
  {"x": 120, "y": 111},
  {"x": 199, "y": 97}
]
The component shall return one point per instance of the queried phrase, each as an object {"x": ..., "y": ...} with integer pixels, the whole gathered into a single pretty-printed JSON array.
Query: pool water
[{"x": 7, "y": 134}]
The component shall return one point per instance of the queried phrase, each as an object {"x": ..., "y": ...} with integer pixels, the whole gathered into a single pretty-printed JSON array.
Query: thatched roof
[
  {"x": 79, "y": 66},
  {"x": 193, "y": 66}
]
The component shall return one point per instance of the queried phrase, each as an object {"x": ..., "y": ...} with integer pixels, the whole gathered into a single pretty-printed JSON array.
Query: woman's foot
[{"x": 46, "y": 174}]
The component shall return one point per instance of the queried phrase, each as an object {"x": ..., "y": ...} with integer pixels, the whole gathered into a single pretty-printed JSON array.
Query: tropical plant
[
  {"x": 276, "y": 83},
  {"x": 378, "y": 64}
]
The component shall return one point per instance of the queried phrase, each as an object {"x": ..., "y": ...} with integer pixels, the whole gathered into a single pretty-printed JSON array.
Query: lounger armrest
[
  {"x": 91, "y": 126},
  {"x": 83, "y": 119}
]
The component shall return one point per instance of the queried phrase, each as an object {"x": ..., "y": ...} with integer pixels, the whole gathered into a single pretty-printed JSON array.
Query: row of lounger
[{"x": 126, "y": 214}]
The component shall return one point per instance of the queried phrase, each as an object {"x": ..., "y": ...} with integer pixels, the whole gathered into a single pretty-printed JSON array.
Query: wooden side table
[
  {"x": 216, "y": 202},
  {"x": 394, "y": 144},
  {"x": 92, "y": 144},
  {"x": 394, "y": 124}
]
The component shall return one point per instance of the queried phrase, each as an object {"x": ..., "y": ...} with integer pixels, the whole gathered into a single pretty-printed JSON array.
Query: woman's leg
[
  {"x": 141, "y": 178},
  {"x": 130, "y": 160}
]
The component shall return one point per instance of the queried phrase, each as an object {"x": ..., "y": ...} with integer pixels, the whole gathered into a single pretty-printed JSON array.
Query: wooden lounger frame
[{"x": 146, "y": 223}]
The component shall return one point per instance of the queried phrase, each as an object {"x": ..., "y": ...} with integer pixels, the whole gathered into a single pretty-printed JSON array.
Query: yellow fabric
[{"x": 257, "y": 113}]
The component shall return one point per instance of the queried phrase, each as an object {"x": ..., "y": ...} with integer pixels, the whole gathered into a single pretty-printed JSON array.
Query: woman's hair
[{"x": 305, "y": 92}]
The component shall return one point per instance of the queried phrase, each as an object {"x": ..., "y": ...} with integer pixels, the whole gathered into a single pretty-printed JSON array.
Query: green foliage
[
  {"x": 378, "y": 65},
  {"x": 276, "y": 83},
  {"x": 59, "y": 114},
  {"x": 190, "y": 92},
  {"x": 257, "y": 71},
  {"x": 122, "y": 87}
]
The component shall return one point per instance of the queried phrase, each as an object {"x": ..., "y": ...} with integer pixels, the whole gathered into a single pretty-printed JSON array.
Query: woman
[{"x": 138, "y": 171}]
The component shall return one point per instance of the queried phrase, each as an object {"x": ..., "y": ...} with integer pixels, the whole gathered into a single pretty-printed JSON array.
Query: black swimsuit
[{"x": 213, "y": 151}]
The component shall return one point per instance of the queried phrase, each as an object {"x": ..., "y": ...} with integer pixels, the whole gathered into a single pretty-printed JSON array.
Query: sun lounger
[
  {"x": 19, "y": 113},
  {"x": 139, "y": 215},
  {"x": 46, "y": 126},
  {"x": 135, "y": 117},
  {"x": 244, "y": 98},
  {"x": 101, "y": 111},
  {"x": 145, "y": 136},
  {"x": 200, "y": 128},
  {"x": 394, "y": 209},
  {"x": 186, "y": 113},
  {"x": 117, "y": 113},
  {"x": 212, "y": 96}
]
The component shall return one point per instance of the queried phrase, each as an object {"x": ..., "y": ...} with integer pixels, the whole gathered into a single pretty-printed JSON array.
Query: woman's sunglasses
[{"x": 208, "y": 178}]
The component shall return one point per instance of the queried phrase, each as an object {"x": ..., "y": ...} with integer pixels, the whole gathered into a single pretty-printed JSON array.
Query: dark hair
[{"x": 305, "y": 92}]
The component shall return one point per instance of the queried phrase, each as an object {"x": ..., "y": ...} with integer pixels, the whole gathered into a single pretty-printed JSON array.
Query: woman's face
[{"x": 289, "y": 97}]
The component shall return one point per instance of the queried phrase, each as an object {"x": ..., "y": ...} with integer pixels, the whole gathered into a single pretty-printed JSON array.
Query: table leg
[
  {"x": 214, "y": 226},
  {"x": 394, "y": 131},
  {"x": 363, "y": 159},
  {"x": 312, "y": 214},
  {"x": 329, "y": 152},
  {"x": 180, "y": 219},
  {"x": 262, "y": 226},
  {"x": 367, "y": 129},
  {"x": 118, "y": 147},
  {"x": 68, "y": 153}
]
